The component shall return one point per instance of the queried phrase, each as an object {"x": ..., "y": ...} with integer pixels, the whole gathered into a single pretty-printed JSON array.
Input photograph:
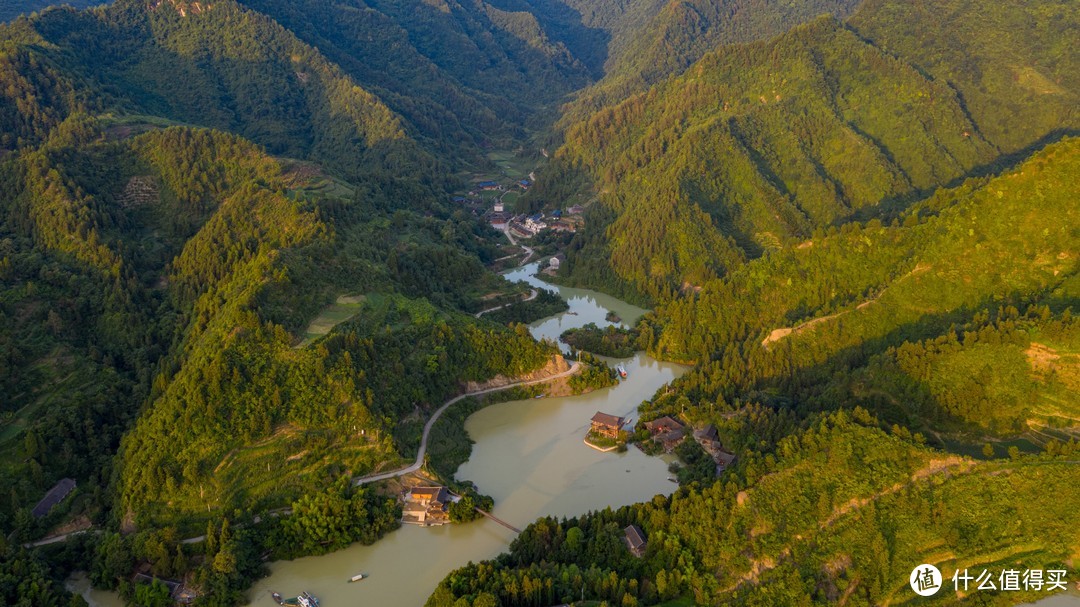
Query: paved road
[
  {"x": 528, "y": 250},
  {"x": 419, "y": 463},
  {"x": 363, "y": 479},
  {"x": 530, "y": 297},
  {"x": 56, "y": 539}
]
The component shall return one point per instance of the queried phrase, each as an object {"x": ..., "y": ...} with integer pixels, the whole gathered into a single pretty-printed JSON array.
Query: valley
[{"x": 268, "y": 269}]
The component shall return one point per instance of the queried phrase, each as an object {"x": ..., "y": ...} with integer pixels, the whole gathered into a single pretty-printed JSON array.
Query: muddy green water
[{"x": 528, "y": 455}]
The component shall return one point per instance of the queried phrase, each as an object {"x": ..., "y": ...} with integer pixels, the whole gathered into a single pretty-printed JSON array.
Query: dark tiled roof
[
  {"x": 634, "y": 536},
  {"x": 429, "y": 493},
  {"x": 708, "y": 432},
  {"x": 55, "y": 495},
  {"x": 664, "y": 424},
  {"x": 608, "y": 420}
]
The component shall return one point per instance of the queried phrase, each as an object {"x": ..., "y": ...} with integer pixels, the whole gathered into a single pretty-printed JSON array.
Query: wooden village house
[
  {"x": 426, "y": 506},
  {"x": 708, "y": 438},
  {"x": 635, "y": 540},
  {"x": 605, "y": 424},
  {"x": 666, "y": 431}
]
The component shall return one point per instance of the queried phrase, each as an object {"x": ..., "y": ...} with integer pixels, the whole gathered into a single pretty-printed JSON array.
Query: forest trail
[{"x": 778, "y": 334}]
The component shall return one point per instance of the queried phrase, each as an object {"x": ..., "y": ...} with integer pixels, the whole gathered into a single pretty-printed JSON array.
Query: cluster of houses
[
  {"x": 527, "y": 226},
  {"x": 668, "y": 433},
  {"x": 519, "y": 225},
  {"x": 708, "y": 438},
  {"x": 426, "y": 506}
]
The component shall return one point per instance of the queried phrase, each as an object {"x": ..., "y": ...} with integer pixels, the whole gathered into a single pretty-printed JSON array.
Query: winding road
[
  {"x": 531, "y": 296},
  {"x": 363, "y": 479},
  {"x": 419, "y": 463},
  {"x": 528, "y": 250}
]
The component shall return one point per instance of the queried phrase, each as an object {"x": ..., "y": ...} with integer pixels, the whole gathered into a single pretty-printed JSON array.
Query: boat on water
[
  {"x": 622, "y": 371},
  {"x": 357, "y": 577},
  {"x": 304, "y": 599}
]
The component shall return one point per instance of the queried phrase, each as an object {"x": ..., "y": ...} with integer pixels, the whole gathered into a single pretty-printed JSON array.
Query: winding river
[{"x": 528, "y": 455}]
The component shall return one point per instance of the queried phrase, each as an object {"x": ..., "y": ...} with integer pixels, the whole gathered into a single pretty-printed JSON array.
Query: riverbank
[
  {"x": 536, "y": 378},
  {"x": 527, "y": 454}
]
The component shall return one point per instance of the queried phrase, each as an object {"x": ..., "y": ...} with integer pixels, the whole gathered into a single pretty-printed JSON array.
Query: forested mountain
[
  {"x": 915, "y": 333},
  {"x": 219, "y": 66},
  {"x": 755, "y": 146},
  {"x": 857, "y": 221},
  {"x": 1014, "y": 69},
  {"x": 465, "y": 74},
  {"x": 797, "y": 315},
  {"x": 156, "y": 280},
  {"x": 10, "y": 9},
  {"x": 675, "y": 34},
  {"x": 192, "y": 246}
]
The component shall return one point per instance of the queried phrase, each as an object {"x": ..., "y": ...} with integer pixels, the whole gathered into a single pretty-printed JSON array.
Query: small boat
[
  {"x": 673, "y": 479},
  {"x": 622, "y": 371},
  {"x": 357, "y": 577},
  {"x": 277, "y": 597},
  {"x": 305, "y": 599}
]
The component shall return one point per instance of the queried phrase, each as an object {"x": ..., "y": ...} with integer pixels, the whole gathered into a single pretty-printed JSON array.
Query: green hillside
[
  {"x": 218, "y": 66},
  {"x": 755, "y": 146},
  {"x": 660, "y": 39},
  {"x": 912, "y": 331},
  {"x": 1004, "y": 378},
  {"x": 838, "y": 516},
  {"x": 422, "y": 60},
  {"x": 1017, "y": 88},
  {"x": 232, "y": 279},
  {"x": 857, "y": 283},
  {"x": 10, "y": 9}
]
